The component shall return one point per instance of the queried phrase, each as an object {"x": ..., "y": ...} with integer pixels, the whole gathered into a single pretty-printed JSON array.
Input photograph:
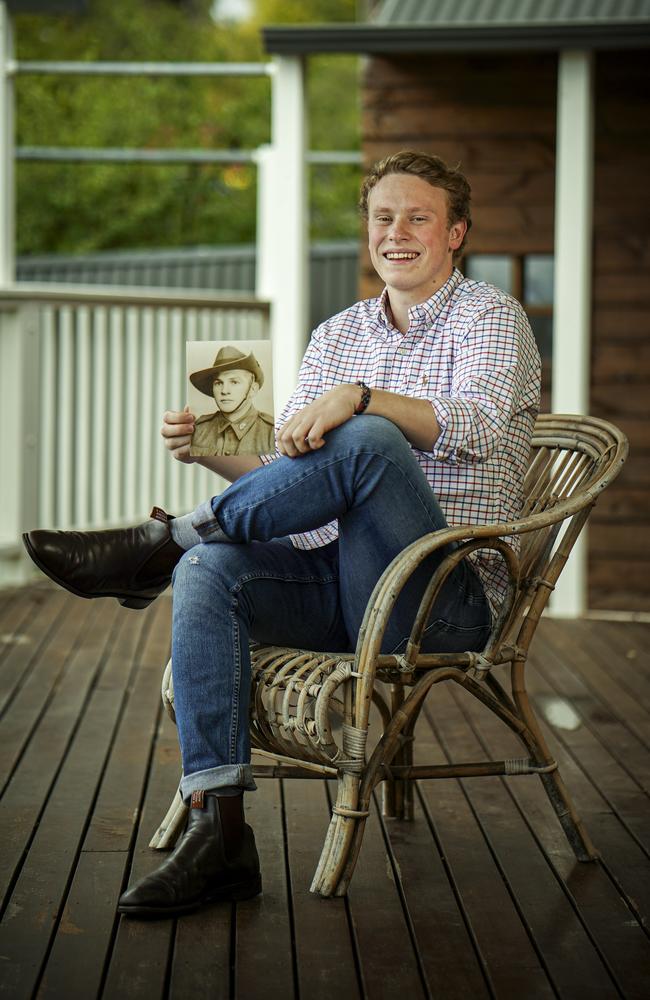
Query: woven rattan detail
[{"x": 297, "y": 700}]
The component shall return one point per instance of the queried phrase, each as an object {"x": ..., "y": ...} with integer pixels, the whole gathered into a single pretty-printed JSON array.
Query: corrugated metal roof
[
  {"x": 493, "y": 12},
  {"x": 405, "y": 26}
]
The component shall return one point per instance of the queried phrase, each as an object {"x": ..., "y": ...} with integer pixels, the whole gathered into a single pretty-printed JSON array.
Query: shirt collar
[
  {"x": 239, "y": 427},
  {"x": 244, "y": 424},
  {"x": 423, "y": 315}
]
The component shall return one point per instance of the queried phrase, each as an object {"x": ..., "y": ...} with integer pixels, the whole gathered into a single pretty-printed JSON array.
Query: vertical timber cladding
[
  {"x": 619, "y": 533},
  {"x": 494, "y": 115}
]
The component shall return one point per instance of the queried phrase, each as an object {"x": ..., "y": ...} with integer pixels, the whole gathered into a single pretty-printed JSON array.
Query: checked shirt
[{"x": 470, "y": 351}]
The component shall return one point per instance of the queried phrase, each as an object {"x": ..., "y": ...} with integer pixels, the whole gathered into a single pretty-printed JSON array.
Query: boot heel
[
  {"x": 246, "y": 891},
  {"x": 136, "y": 603}
]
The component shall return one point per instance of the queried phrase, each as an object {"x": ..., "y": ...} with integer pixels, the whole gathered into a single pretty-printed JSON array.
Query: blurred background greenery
[{"x": 82, "y": 207}]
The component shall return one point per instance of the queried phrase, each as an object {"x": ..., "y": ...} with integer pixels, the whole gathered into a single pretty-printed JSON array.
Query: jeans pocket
[{"x": 441, "y": 636}]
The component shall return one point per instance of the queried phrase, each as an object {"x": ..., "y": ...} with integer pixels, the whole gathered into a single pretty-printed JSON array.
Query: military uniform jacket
[{"x": 214, "y": 434}]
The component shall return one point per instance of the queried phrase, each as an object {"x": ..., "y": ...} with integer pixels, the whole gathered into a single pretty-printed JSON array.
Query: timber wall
[
  {"x": 495, "y": 116},
  {"x": 620, "y": 373}
]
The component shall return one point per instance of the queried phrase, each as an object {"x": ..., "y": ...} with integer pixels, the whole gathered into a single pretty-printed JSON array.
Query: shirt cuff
[{"x": 454, "y": 418}]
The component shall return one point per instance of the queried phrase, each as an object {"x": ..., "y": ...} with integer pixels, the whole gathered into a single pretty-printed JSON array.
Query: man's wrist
[{"x": 364, "y": 399}]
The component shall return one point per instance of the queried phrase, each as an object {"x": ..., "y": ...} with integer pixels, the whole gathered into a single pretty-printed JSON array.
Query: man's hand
[
  {"x": 177, "y": 430},
  {"x": 305, "y": 431}
]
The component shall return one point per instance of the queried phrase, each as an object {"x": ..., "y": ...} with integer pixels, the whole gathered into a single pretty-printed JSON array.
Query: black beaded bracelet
[{"x": 366, "y": 393}]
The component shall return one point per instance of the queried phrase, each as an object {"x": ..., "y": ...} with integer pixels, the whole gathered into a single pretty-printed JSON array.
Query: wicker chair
[{"x": 310, "y": 710}]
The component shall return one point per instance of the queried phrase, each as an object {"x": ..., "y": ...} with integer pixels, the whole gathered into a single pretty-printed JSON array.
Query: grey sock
[{"x": 183, "y": 533}]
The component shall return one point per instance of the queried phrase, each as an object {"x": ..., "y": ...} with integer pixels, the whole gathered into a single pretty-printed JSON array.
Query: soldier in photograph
[{"x": 237, "y": 427}]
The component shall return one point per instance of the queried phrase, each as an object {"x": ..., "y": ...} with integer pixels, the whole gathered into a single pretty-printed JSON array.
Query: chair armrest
[{"x": 467, "y": 538}]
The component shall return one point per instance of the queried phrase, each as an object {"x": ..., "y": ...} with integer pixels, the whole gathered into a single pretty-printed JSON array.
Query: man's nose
[{"x": 398, "y": 230}]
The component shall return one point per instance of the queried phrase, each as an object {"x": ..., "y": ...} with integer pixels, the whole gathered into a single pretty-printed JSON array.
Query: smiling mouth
[{"x": 401, "y": 255}]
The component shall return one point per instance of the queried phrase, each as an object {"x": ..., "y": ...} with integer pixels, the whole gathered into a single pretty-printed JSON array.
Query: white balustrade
[{"x": 84, "y": 381}]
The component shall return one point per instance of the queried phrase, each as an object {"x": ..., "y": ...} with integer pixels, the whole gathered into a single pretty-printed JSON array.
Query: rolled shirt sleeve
[{"x": 486, "y": 386}]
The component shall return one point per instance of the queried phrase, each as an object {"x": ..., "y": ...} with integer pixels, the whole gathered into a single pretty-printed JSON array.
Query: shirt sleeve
[
  {"x": 495, "y": 374},
  {"x": 310, "y": 382}
]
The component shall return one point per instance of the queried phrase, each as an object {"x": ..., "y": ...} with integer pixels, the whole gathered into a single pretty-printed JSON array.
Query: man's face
[
  {"x": 231, "y": 389},
  {"x": 409, "y": 236}
]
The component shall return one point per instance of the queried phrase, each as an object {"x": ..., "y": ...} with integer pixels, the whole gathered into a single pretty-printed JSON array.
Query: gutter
[{"x": 365, "y": 39}]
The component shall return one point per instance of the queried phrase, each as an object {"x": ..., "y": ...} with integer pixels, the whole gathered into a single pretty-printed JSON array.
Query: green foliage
[{"x": 73, "y": 207}]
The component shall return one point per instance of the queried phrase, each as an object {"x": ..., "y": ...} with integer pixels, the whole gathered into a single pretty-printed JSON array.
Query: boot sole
[
  {"x": 126, "y": 600},
  {"x": 229, "y": 893}
]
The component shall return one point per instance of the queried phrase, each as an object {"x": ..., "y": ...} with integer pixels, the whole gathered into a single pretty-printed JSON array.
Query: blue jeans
[{"x": 250, "y": 582}]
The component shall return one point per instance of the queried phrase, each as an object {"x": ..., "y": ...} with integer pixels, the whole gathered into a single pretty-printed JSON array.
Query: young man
[
  {"x": 412, "y": 411},
  {"x": 237, "y": 428}
]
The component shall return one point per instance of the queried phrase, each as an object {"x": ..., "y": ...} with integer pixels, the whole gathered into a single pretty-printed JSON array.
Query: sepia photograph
[{"x": 230, "y": 393}]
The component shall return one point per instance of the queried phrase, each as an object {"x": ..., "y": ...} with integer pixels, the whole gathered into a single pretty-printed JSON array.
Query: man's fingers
[
  {"x": 177, "y": 430},
  {"x": 287, "y": 445},
  {"x": 178, "y": 416},
  {"x": 174, "y": 443},
  {"x": 301, "y": 441},
  {"x": 315, "y": 437},
  {"x": 171, "y": 432},
  {"x": 299, "y": 435},
  {"x": 291, "y": 439},
  {"x": 177, "y": 423}
]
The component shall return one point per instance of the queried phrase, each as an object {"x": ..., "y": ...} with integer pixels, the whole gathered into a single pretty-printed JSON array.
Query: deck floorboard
[{"x": 479, "y": 896}]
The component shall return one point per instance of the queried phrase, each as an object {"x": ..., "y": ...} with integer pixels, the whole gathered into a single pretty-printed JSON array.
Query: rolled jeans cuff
[
  {"x": 214, "y": 778},
  {"x": 206, "y": 525}
]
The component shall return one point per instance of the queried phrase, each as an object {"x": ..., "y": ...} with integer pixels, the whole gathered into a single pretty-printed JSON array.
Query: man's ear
[{"x": 457, "y": 232}]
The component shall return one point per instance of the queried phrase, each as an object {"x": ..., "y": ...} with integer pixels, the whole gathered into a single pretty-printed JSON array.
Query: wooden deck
[{"x": 479, "y": 897}]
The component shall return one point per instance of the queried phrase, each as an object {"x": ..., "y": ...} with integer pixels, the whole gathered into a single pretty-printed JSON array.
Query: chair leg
[
  {"x": 392, "y": 790},
  {"x": 353, "y": 850},
  {"x": 402, "y": 788},
  {"x": 388, "y": 799},
  {"x": 172, "y": 825},
  {"x": 344, "y": 826},
  {"x": 554, "y": 786},
  {"x": 397, "y": 793},
  {"x": 572, "y": 825},
  {"x": 406, "y": 758},
  {"x": 366, "y": 786},
  {"x": 343, "y": 841}
]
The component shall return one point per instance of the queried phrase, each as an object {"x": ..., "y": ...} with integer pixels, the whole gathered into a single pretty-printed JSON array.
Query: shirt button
[
  {"x": 226, "y": 452},
  {"x": 402, "y": 350},
  {"x": 242, "y": 425}
]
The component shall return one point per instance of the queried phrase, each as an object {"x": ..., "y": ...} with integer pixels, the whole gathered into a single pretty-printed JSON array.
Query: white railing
[
  {"x": 282, "y": 267},
  {"x": 85, "y": 376}
]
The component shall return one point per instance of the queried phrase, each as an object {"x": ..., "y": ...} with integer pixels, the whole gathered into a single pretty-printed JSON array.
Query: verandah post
[
  {"x": 283, "y": 245},
  {"x": 7, "y": 143},
  {"x": 573, "y": 263},
  {"x": 19, "y": 419}
]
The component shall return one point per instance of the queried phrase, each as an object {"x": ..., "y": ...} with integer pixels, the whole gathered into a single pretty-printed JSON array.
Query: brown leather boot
[
  {"x": 216, "y": 859},
  {"x": 132, "y": 564}
]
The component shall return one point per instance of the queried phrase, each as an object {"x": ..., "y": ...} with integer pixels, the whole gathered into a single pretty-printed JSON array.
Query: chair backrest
[{"x": 573, "y": 459}]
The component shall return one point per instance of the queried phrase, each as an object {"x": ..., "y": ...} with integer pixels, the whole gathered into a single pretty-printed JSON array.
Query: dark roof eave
[{"x": 364, "y": 39}]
